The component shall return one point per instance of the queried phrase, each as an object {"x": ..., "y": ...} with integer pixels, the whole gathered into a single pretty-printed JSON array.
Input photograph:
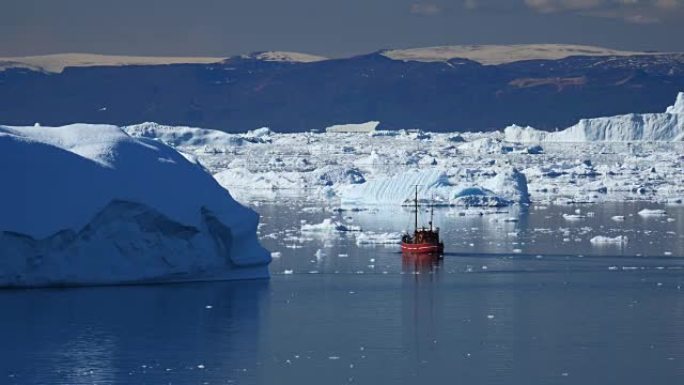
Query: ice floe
[{"x": 602, "y": 240}]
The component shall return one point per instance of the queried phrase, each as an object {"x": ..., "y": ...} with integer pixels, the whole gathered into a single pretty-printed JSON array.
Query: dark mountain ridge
[{"x": 246, "y": 92}]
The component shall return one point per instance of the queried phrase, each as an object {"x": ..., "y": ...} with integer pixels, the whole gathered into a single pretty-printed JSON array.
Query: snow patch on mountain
[
  {"x": 58, "y": 62},
  {"x": 285, "y": 56},
  {"x": 500, "y": 54}
]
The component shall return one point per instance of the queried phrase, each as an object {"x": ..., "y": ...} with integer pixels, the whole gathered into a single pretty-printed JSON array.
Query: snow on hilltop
[
  {"x": 668, "y": 126},
  {"x": 89, "y": 204},
  {"x": 58, "y": 62},
  {"x": 500, "y": 54},
  {"x": 284, "y": 56}
]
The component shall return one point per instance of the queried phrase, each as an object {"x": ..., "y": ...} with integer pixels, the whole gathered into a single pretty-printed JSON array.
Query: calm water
[{"x": 511, "y": 303}]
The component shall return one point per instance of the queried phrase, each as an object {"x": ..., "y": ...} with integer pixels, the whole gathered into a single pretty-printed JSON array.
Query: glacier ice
[
  {"x": 89, "y": 204},
  {"x": 496, "y": 168}
]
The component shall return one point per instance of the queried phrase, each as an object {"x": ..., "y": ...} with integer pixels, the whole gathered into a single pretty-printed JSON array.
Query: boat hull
[{"x": 422, "y": 248}]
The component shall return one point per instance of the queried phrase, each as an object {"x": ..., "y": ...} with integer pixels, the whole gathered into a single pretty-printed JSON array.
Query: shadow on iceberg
[
  {"x": 88, "y": 204},
  {"x": 127, "y": 242}
]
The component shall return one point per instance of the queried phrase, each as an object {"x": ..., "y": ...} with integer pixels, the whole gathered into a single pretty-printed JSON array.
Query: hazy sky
[{"x": 329, "y": 28}]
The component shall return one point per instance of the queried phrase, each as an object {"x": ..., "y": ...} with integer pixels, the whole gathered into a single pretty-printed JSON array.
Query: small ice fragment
[
  {"x": 208, "y": 307},
  {"x": 603, "y": 240},
  {"x": 490, "y": 316},
  {"x": 200, "y": 366},
  {"x": 288, "y": 272},
  {"x": 652, "y": 212},
  {"x": 573, "y": 217},
  {"x": 333, "y": 358},
  {"x": 618, "y": 218},
  {"x": 276, "y": 254}
]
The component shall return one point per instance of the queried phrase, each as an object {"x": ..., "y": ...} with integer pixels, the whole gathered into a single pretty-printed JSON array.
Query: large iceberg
[
  {"x": 668, "y": 126},
  {"x": 449, "y": 187},
  {"x": 88, "y": 204}
]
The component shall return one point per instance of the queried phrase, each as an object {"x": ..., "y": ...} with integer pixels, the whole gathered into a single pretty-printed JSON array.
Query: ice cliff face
[
  {"x": 678, "y": 107},
  {"x": 668, "y": 126},
  {"x": 88, "y": 204},
  {"x": 503, "y": 187}
]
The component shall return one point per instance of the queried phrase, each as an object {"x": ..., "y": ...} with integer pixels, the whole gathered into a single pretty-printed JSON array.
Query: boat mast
[
  {"x": 415, "y": 201},
  {"x": 432, "y": 210}
]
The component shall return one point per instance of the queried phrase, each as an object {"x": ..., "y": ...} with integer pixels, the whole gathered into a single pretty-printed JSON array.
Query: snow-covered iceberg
[
  {"x": 89, "y": 204},
  {"x": 668, "y": 126},
  {"x": 443, "y": 186}
]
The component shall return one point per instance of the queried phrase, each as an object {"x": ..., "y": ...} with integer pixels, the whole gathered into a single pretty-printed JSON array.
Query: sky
[{"x": 328, "y": 28}]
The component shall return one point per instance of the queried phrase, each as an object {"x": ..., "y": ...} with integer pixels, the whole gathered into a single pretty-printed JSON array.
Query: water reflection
[
  {"x": 183, "y": 333},
  {"x": 420, "y": 264}
]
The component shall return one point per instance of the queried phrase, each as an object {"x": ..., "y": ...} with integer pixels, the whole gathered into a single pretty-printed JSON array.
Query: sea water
[{"x": 520, "y": 297}]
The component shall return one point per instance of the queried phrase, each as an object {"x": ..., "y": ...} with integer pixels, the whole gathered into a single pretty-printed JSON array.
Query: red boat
[{"x": 425, "y": 240}]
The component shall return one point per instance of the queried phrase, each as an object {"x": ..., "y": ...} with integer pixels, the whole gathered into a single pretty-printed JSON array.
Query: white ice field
[
  {"x": 627, "y": 157},
  {"x": 142, "y": 198}
]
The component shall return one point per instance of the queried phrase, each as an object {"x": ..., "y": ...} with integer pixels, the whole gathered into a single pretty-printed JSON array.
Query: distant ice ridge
[
  {"x": 88, "y": 204},
  {"x": 668, "y": 126}
]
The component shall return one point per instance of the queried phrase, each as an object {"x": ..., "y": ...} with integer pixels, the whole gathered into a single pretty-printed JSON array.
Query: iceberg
[
  {"x": 668, "y": 126},
  {"x": 443, "y": 186},
  {"x": 88, "y": 204}
]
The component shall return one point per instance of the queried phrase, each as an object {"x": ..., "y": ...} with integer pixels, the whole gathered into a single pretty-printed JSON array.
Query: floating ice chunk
[
  {"x": 369, "y": 238},
  {"x": 618, "y": 218},
  {"x": 328, "y": 225},
  {"x": 652, "y": 212},
  {"x": 288, "y": 272},
  {"x": 573, "y": 217},
  {"x": 602, "y": 240},
  {"x": 276, "y": 254}
]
